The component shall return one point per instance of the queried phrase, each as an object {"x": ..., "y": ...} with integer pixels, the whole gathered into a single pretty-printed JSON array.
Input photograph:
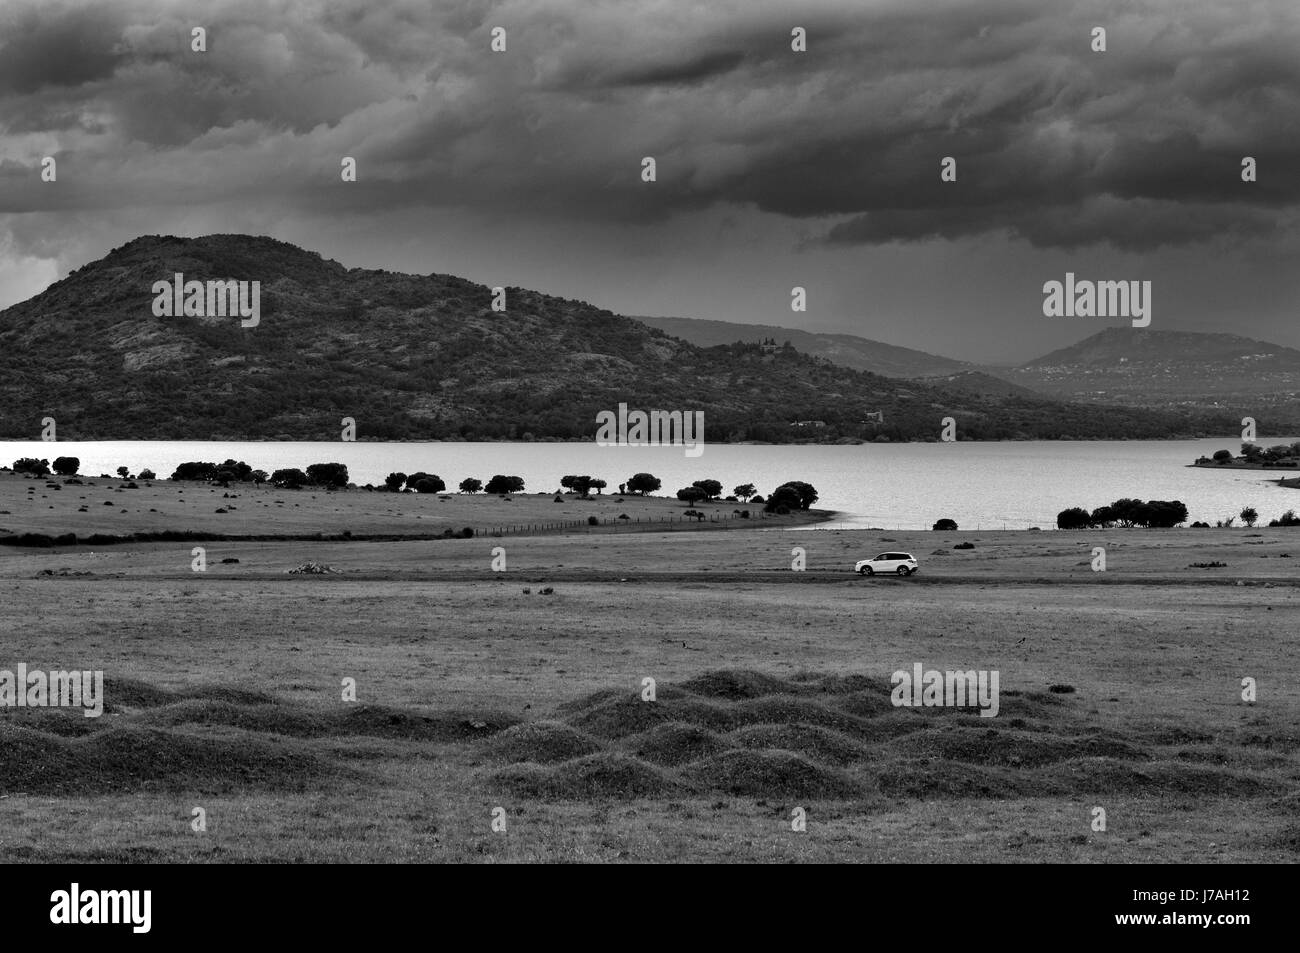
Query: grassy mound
[
  {"x": 383, "y": 722},
  {"x": 68, "y": 722},
  {"x": 604, "y": 775},
  {"x": 541, "y": 742},
  {"x": 733, "y": 684},
  {"x": 995, "y": 746},
  {"x": 811, "y": 741},
  {"x": 223, "y": 693},
  {"x": 835, "y": 684},
  {"x": 937, "y": 779},
  {"x": 746, "y": 773},
  {"x": 260, "y": 718},
  {"x": 796, "y": 710},
  {"x": 132, "y": 758},
  {"x": 626, "y": 714},
  {"x": 128, "y": 693},
  {"x": 1166, "y": 778},
  {"x": 871, "y": 703},
  {"x": 675, "y": 743}
]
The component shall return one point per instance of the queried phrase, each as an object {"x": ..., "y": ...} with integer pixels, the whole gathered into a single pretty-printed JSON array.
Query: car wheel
[
  {"x": 866, "y": 571},
  {"x": 904, "y": 571}
]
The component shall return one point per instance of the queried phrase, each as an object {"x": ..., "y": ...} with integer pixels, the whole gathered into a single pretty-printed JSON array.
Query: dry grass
[{"x": 772, "y": 693}]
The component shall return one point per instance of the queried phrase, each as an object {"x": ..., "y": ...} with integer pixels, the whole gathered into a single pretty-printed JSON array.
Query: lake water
[{"x": 893, "y": 486}]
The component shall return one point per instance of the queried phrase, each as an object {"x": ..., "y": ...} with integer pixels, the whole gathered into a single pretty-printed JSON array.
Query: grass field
[{"x": 479, "y": 690}]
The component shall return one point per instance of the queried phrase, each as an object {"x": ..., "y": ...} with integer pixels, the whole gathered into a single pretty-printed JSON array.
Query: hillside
[
  {"x": 848, "y": 350},
  {"x": 979, "y": 382},
  {"x": 1140, "y": 345},
  {"x": 1168, "y": 369},
  {"x": 425, "y": 357}
]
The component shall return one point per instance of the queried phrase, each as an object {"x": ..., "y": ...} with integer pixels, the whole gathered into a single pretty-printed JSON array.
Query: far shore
[{"x": 110, "y": 510}]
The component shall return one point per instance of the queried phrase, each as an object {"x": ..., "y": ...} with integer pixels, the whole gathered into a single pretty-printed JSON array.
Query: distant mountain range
[
  {"x": 847, "y": 350},
  {"x": 1117, "y": 366},
  {"x": 1166, "y": 369},
  {"x": 426, "y": 357}
]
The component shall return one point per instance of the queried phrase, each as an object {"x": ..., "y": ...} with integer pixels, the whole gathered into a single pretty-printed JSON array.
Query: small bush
[{"x": 32, "y": 465}]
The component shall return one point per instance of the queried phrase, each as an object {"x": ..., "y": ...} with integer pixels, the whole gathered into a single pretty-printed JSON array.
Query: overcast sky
[{"x": 775, "y": 168}]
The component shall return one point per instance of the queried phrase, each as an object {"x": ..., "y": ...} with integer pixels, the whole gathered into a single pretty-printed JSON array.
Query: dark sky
[{"x": 775, "y": 168}]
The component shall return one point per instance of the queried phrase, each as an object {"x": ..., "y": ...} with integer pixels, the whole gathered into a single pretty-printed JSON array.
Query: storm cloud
[{"x": 1058, "y": 147}]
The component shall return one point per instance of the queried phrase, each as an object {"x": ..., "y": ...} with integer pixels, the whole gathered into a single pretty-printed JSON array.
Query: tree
[
  {"x": 505, "y": 484},
  {"x": 1076, "y": 517},
  {"x": 232, "y": 470},
  {"x": 147, "y": 474},
  {"x": 783, "y": 498},
  {"x": 394, "y": 481},
  {"x": 470, "y": 485},
  {"x": 257, "y": 476},
  {"x": 195, "y": 471},
  {"x": 1288, "y": 519},
  {"x": 805, "y": 494},
  {"x": 31, "y": 465},
  {"x": 1222, "y": 456},
  {"x": 691, "y": 494},
  {"x": 1163, "y": 514},
  {"x": 945, "y": 525},
  {"x": 1128, "y": 511},
  {"x": 426, "y": 483},
  {"x": 289, "y": 477},
  {"x": 1103, "y": 517},
  {"x": 328, "y": 474},
  {"x": 745, "y": 491},
  {"x": 643, "y": 483},
  {"x": 577, "y": 484},
  {"x": 66, "y": 466},
  {"x": 712, "y": 488},
  {"x": 598, "y": 485},
  {"x": 123, "y": 472},
  {"x": 1249, "y": 516}
]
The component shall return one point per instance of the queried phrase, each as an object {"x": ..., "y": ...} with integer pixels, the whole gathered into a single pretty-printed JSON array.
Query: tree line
[
  {"x": 1126, "y": 512},
  {"x": 792, "y": 495}
]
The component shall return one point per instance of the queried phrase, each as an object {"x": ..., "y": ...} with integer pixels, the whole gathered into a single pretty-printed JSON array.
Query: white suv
[{"x": 902, "y": 563}]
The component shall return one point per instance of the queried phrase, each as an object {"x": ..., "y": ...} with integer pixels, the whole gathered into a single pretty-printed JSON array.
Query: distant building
[
  {"x": 769, "y": 346},
  {"x": 808, "y": 423},
  {"x": 877, "y": 417}
]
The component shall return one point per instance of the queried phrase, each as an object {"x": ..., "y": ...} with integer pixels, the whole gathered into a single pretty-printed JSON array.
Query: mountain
[
  {"x": 426, "y": 357},
  {"x": 979, "y": 382},
  {"x": 1169, "y": 369},
  {"x": 1188, "y": 348},
  {"x": 847, "y": 350}
]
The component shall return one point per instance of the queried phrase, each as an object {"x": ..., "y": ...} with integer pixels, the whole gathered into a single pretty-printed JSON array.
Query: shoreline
[{"x": 838, "y": 442}]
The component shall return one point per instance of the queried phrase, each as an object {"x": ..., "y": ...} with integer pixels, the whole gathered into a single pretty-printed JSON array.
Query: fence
[{"x": 534, "y": 529}]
